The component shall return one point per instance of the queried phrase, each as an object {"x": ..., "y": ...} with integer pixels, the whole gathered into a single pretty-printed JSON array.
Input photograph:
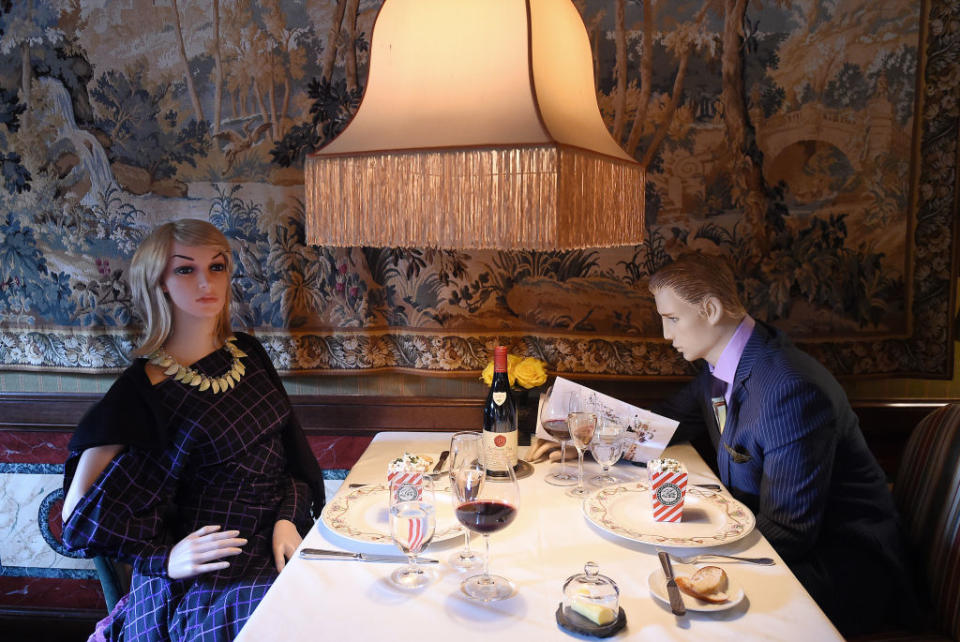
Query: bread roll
[{"x": 708, "y": 584}]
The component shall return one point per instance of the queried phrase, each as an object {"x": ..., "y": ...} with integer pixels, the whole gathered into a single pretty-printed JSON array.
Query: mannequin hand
[
  {"x": 196, "y": 553},
  {"x": 286, "y": 539},
  {"x": 571, "y": 454}
]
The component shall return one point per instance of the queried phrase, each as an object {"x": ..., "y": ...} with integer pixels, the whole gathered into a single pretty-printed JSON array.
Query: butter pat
[{"x": 597, "y": 613}]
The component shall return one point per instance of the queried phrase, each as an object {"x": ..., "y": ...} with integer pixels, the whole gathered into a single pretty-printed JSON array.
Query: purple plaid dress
[{"x": 224, "y": 463}]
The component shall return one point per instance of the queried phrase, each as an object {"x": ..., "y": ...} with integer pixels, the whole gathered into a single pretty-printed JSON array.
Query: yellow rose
[
  {"x": 531, "y": 372},
  {"x": 512, "y": 362},
  {"x": 487, "y": 374}
]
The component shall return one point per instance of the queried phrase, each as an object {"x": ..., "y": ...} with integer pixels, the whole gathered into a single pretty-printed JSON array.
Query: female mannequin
[{"x": 197, "y": 475}]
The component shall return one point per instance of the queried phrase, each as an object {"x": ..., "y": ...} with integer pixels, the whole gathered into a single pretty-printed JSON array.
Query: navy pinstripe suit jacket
[{"x": 792, "y": 451}]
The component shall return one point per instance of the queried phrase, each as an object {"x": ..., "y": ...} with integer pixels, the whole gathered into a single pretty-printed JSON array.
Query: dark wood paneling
[
  {"x": 43, "y": 410},
  {"x": 367, "y": 416}
]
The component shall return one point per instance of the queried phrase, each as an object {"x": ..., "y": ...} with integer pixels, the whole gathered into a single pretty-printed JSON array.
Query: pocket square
[{"x": 737, "y": 454}]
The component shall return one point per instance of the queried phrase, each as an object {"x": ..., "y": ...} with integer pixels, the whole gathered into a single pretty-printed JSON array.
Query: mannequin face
[
  {"x": 697, "y": 332},
  {"x": 196, "y": 281}
]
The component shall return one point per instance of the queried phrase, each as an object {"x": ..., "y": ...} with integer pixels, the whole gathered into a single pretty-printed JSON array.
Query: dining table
[{"x": 552, "y": 539}]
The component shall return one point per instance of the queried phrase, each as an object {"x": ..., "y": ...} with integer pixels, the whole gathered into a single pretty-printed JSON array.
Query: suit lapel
[{"x": 753, "y": 349}]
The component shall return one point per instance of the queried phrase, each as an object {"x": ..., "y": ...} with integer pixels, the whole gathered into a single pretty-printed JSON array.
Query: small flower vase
[{"x": 528, "y": 402}]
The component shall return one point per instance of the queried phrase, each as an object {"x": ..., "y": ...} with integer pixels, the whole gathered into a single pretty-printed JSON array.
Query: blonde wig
[
  {"x": 146, "y": 274},
  {"x": 695, "y": 277}
]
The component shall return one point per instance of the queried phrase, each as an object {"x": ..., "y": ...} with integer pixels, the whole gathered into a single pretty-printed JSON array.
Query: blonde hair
[
  {"x": 146, "y": 273},
  {"x": 695, "y": 277}
]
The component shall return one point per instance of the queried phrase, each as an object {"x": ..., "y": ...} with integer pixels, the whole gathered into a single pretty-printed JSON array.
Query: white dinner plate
[
  {"x": 709, "y": 519},
  {"x": 363, "y": 515},
  {"x": 657, "y": 582}
]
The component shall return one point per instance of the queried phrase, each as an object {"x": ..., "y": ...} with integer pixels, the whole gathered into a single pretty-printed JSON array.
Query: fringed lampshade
[{"x": 479, "y": 128}]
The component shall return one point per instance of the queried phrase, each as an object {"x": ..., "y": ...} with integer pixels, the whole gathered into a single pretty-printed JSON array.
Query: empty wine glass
[
  {"x": 464, "y": 446},
  {"x": 606, "y": 448},
  {"x": 413, "y": 520},
  {"x": 582, "y": 425},
  {"x": 553, "y": 418},
  {"x": 492, "y": 505}
]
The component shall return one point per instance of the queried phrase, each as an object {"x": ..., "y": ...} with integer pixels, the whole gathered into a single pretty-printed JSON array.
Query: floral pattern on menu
[{"x": 604, "y": 509}]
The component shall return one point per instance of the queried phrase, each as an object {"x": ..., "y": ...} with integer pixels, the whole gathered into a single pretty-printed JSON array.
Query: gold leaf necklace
[{"x": 171, "y": 367}]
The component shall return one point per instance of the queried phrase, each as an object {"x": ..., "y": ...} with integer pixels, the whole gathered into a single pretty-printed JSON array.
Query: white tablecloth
[{"x": 549, "y": 541}]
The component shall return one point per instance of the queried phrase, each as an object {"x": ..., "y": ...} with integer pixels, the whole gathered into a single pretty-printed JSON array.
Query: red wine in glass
[
  {"x": 485, "y": 504},
  {"x": 553, "y": 418},
  {"x": 485, "y": 516},
  {"x": 557, "y": 428}
]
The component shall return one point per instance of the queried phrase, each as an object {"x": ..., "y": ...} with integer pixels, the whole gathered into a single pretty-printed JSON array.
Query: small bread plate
[
  {"x": 657, "y": 583},
  {"x": 362, "y": 515},
  {"x": 709, "y": 518}
]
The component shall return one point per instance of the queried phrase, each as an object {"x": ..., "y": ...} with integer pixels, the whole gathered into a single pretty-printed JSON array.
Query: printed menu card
[{"x": 649, "y": 432}]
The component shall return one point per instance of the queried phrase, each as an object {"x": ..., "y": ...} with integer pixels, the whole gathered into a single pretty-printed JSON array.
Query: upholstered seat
[
  {"x": 114, "y": 579},
  {"x": 927, "y": 492}
]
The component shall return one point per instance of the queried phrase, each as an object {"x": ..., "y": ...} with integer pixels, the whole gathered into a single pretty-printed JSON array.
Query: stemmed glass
[
  {"x": 554, "y": 421},
  {"x": 413, "y": 520},
  {"x": 582, "y": 423},
  {"x": 486, "y": 505},
  {"x": 464, "y": 445},
  {"x": 606, "y": 448}
]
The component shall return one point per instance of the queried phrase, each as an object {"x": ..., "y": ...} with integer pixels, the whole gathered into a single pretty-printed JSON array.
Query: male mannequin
[{"x": 789, "y": 447}]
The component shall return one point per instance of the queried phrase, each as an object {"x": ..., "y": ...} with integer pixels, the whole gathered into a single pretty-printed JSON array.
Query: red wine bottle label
[
  {"x": 499, "y": 398},
  {"x": 500, "y": 449}
]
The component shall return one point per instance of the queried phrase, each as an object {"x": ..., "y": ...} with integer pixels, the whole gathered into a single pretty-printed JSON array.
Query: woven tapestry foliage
[{"x": 814, "y": 144}]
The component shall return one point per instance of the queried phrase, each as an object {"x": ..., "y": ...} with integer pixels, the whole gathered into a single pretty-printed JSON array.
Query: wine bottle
[{"x": 500, "y": 419}]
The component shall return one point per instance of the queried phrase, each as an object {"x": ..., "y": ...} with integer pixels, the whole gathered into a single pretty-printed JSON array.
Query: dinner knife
[
  {"x": 322, "y": 554},
  {"x": 673, "y": 591}
]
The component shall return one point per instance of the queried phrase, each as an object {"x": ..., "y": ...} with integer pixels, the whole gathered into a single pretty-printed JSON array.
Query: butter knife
[
  {"x": 322, "y": 554},
  {"x": 673, "y": 591},
  {"x": 441, "y": 461}
]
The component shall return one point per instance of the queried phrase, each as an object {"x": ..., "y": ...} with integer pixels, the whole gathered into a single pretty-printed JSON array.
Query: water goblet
[
  {"x": 494, "y": 505},
  {"x": 553, "y": 418},
  {"x": 464, "y": 447},
  {"x": 582, "y": 426},
  {"x": 606, "y": 448},
  {"x": 413, "y": 520}
]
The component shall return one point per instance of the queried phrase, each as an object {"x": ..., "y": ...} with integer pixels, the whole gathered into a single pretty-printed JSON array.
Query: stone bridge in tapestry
[{"x": 861, "y": 136}]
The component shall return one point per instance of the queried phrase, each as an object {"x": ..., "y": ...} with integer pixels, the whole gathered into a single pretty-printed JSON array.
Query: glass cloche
[{"x": 592, "y": 596}]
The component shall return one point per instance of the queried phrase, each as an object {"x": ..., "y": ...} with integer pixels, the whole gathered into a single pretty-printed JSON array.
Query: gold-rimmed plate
[
  {"x": 709, "y": 518},
  {"x": 363, "y": 515}
]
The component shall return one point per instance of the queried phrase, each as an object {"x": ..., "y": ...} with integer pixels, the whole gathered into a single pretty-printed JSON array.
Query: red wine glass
[
  {"x": 553, "y": 418},
  {"x": 488, "y": 504}
]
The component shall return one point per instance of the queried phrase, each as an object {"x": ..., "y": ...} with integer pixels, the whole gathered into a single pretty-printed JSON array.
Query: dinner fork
[{"x": 707, "y": 557}]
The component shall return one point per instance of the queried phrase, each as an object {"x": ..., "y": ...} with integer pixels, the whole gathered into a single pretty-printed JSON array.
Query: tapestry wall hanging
[{"x": 813, "y": 143}]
